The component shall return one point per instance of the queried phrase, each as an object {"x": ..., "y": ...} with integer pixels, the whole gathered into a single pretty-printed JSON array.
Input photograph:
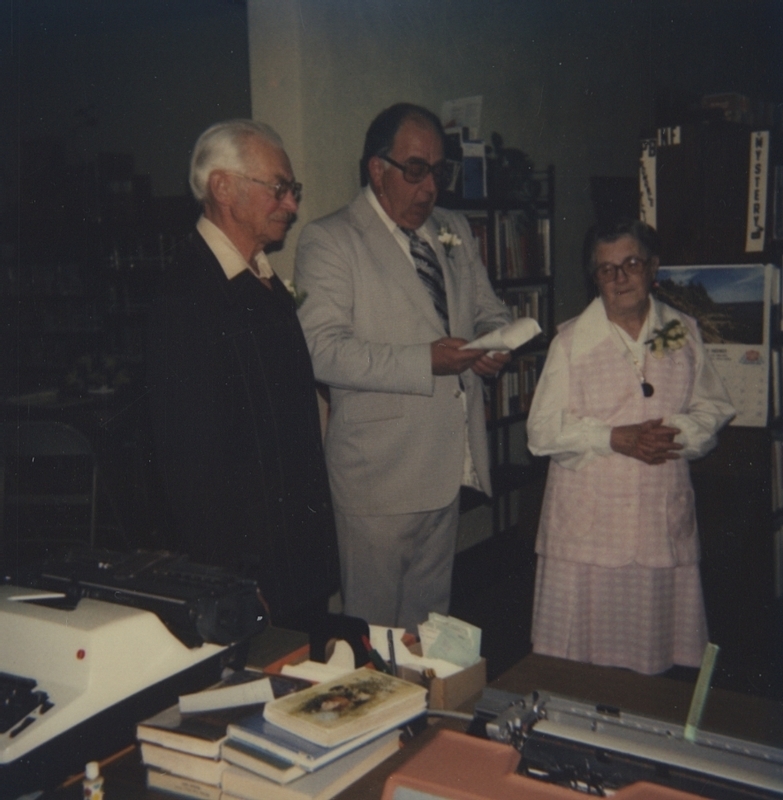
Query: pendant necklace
[{"x": 647, "y": 388}]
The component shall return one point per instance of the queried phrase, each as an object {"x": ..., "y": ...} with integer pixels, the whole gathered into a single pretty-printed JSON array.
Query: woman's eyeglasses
[{"x": 633, "y": 265}]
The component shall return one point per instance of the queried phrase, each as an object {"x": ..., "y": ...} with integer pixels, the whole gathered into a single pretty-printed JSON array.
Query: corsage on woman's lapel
[{"x": 667, "y": 339}]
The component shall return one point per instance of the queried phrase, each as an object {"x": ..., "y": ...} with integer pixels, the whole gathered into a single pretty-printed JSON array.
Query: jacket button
[{"x": 457, "y": 393}]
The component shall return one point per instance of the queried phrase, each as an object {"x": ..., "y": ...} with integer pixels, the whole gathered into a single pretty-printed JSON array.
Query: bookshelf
[
  {"x": 514, "y": 233},
  {"x": 716, "y": 202}
]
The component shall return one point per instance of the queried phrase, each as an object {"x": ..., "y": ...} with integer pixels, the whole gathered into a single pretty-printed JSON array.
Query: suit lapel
[{"x": 388, "y": 256}]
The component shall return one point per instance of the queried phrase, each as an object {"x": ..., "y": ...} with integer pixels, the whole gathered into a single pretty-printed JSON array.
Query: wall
[
  {"x": 142, "y": 77},
  {"x": 570, "y": 82}
]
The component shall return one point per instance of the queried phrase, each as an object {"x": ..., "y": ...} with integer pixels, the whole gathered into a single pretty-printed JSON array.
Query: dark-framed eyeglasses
[
  {"x": 279, "y": 189},
  {"x": 415, "y": 170},
  {"x": 633, "y": 265}
]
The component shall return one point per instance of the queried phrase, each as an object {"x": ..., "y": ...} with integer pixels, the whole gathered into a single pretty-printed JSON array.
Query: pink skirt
[{"x": 637, "y": 617}]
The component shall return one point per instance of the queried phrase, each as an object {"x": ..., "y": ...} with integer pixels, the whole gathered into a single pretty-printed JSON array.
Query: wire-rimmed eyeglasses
[{"x": 279, "y": 189}]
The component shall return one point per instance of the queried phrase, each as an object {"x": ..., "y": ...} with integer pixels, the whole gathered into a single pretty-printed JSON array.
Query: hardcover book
[
  {"x": 205, "y": 770},
  {"x": 269, "y": 765},
  {"x": 201, "y": 734},
  {"x": 321, "y": 785},
  {"x": 333, "y": 712},
  {"x": 267, "y": 737},
  {"x": 177, "y": 784}
]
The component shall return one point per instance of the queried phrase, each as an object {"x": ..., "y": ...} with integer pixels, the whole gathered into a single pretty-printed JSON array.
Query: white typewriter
[{"x": 77, "y": 673}]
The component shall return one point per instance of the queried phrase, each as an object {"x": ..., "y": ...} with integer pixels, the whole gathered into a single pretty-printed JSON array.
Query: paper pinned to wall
[{"x": 463, "y": 113}]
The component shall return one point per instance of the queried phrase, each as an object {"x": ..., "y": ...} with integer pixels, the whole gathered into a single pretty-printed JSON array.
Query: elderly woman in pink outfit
[{"x": 627, "y": 396}]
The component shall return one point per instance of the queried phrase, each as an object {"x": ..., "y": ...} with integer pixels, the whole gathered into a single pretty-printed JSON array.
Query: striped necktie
[{"x": 430, "y": 272}]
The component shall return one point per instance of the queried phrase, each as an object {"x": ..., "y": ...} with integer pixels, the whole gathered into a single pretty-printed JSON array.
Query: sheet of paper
[
  {"x": 463, "y": 113},
  {"x": 315, "y": 671},
  {"x": 509, "y": 337},
  {"x": 450, "y": 639}
]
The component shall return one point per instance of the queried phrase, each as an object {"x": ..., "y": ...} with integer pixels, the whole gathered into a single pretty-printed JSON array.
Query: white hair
[{"x": 222, "y": 146}]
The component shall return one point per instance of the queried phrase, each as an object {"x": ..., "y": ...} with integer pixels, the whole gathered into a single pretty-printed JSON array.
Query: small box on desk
[
  {"x": 451, "y": 692},
  {"x": 444, "y": 693}
]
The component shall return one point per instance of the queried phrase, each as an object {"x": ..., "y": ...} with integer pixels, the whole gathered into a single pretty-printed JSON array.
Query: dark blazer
[{"x": 236, "y": 430}]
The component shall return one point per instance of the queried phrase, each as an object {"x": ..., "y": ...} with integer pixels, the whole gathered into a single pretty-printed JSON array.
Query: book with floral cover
[{"x": 336, "y": 711}]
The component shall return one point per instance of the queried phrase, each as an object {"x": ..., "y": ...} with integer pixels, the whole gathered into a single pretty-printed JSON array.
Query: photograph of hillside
[{"x": 728, "y": 302}]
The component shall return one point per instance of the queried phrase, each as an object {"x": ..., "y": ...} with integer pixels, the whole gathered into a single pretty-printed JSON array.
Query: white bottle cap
[{"x": 91, "y": 771}]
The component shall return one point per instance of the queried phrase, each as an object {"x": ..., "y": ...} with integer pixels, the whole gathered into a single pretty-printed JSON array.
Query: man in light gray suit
[{"x": 393, "y": 290}]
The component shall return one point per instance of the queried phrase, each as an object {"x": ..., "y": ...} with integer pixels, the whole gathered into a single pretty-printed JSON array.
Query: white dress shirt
[{"x": 231, "y": 260}]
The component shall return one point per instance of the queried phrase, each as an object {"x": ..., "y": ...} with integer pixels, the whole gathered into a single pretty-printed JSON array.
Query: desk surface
[{"x": 750, "y": 718}]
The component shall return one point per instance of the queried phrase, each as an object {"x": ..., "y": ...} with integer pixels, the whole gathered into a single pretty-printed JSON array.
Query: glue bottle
[{"x": 92, "y": 785}]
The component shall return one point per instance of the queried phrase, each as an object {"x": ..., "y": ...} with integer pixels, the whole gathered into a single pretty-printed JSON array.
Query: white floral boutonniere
[
  {"x": 669, "y": 338},
  {"x": 299, "y": 297},
  {"x": 448, "y": 239}
]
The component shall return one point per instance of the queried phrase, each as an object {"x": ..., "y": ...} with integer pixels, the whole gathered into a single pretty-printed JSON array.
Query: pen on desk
[
  {"x": 375, "y": 656},
  {"x": 392, "y": 659}
]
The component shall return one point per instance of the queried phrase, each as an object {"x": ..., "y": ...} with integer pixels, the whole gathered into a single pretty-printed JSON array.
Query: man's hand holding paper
[{"x": 507, "y": 338}]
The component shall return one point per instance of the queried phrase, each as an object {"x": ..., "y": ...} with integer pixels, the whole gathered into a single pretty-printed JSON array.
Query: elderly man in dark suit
[
  {"x": 395, "y": 287},
  {"x": 235, "y": 419}
]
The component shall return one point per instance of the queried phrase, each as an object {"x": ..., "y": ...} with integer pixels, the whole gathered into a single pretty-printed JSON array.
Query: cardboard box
[
  {"x": 444, "y": 693},
  {"x": 449, "y": 693}
]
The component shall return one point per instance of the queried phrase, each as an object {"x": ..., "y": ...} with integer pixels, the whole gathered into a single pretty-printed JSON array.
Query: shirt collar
[
  {"x": 225, "y": 251},
  {"x": 388, "y": 221},
  {"x": 593, "y": 326}
]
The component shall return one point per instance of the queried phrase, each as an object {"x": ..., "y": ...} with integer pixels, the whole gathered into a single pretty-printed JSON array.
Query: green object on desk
[{"x": 699, "y": 699}]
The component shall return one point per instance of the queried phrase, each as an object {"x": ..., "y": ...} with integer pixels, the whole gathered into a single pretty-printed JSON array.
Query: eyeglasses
[
  {"x": 279, "y": 189},
  {"x": 633, "y": 265},
  {"x": 415, "y": 170}
]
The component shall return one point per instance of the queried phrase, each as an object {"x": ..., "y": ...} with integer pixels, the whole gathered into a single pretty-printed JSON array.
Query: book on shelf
[
  {"x": 479, "y": 226},
  {"x": 262, "y": 762},
  {"x": 325, "y": 783},
  {"x": 270, "y": 738},
  {"x": 545, "y": 244},
  {"x": 177, "y": 784},
  {"x": 198, "y": 768},
  {"x": 333, "y": 712}
]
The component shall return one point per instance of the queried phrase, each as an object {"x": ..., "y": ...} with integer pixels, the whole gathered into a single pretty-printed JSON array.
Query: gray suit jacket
[{"x": 396, "y": 433}]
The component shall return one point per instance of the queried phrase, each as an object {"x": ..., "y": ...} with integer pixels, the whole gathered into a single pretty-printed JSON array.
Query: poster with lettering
[{"x": 732, "y": 305}]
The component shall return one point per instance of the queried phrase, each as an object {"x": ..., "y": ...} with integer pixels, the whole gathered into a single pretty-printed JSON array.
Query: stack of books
[
  {"x": 314, "y": 743},
  {"x": 182, "y": 751},
  {"x": 306, "y": 745}
]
